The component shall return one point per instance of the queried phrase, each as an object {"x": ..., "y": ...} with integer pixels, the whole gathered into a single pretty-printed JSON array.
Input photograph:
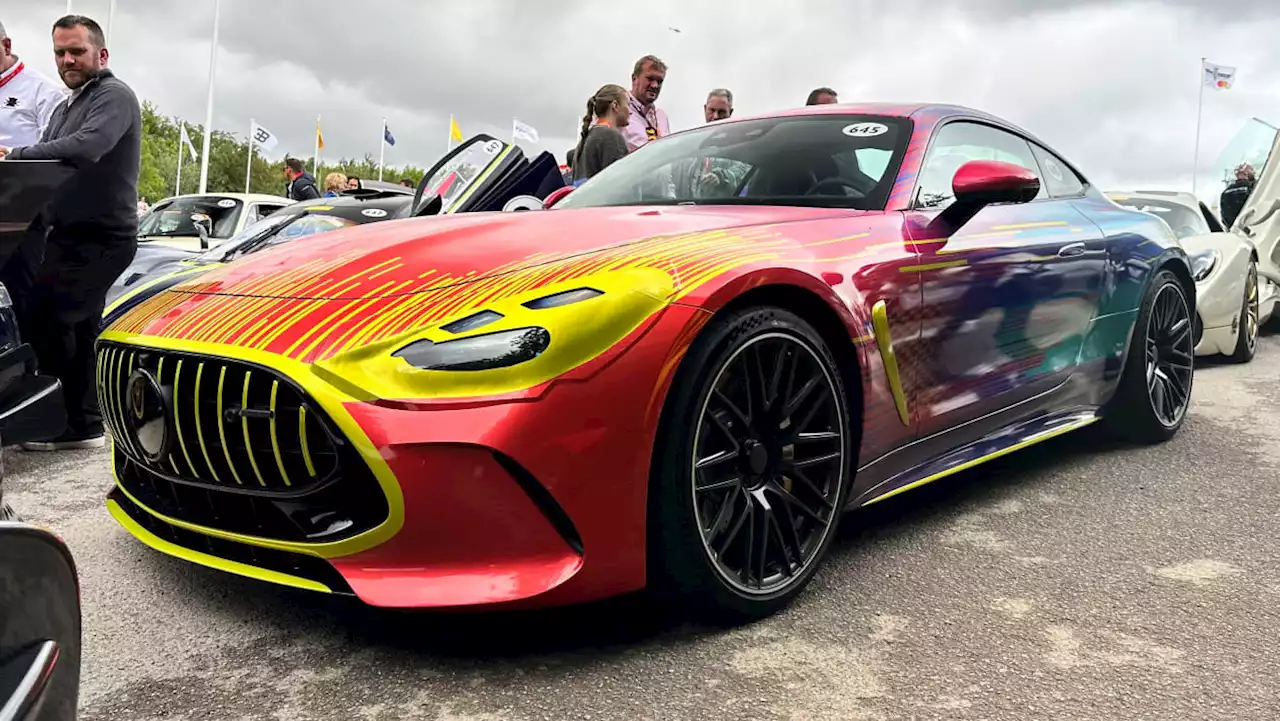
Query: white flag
[
  {"x": 1219, "y": 77},
  {"x": 262, "y": 137},
  {"x": 523, "y": 131},
  {"x": 186, "y": 139}
]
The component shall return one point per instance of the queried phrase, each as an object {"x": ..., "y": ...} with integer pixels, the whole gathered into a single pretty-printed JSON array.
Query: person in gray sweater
[
  {"x": 91, "y": 224},
  {"x": 603, "y": 143}
]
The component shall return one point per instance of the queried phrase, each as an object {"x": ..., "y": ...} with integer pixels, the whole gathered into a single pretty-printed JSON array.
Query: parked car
[
  {"x": 483, "y": 174},
  {"x": 195, "y": 222},
  {"x": 1232, "y": 301},
  {"x": 40, "y": 624},
  {"x": 660, "y": 381}
]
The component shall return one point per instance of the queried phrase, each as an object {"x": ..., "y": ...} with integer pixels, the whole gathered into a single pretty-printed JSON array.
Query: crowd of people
[{"x": 618, "y": 121}]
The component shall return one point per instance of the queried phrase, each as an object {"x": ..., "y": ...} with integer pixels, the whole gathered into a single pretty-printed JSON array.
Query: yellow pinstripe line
[
  {"x": 204, "y": 448},
  {"x": 222, "y": 429}
]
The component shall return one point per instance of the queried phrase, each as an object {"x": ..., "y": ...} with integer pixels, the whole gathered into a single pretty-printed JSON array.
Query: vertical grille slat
[{"x": 239, "y": 417}]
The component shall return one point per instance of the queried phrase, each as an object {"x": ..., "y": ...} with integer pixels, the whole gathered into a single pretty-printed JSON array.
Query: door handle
[{"x": 1071, "y": 251}]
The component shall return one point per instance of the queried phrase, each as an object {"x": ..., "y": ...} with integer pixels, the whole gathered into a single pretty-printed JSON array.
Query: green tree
[{"x": 228, "y": 157}]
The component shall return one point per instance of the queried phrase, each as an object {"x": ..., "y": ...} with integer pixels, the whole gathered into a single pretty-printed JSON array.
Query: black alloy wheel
[{"x": 1169, "y": 359}]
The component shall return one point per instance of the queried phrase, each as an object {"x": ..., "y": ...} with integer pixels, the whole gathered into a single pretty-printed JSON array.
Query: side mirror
[
  {"x": 556, "y": 196},
  {"x": 432, "y": 206},
  {"x": 202, "y": 227},
  {"x": 979, "y": 183}
]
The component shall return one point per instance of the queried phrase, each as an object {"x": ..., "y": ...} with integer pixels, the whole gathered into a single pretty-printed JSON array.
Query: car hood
[{"x": 425, "y": 255}]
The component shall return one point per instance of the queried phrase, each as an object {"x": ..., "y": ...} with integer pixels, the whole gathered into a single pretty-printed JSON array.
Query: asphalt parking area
[{"x": 1071, "y": 581}]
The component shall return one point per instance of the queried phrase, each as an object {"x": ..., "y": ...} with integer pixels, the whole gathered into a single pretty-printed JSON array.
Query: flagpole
[
  {"x": 382, "y": 152},
  {"x": 315, "y": 163},
  {"x": 177, "y": 184},
  {"x": 1195, "y": 166},
  {"x": 448, "y": 145},
  {"x": 111, "y": 18},
  {"x": 248, "y": 170},
  {"x": 208, "y": 111}
]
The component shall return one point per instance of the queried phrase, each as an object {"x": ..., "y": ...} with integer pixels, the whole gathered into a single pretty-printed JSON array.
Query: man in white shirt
[{"x": 27, "y": 98}]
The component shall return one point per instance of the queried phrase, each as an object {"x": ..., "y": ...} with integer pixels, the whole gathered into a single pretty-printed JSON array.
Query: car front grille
[{"x": 249, "y": 453}]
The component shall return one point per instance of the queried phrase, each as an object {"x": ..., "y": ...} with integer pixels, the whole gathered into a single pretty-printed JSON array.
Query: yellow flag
[
  {"x": 319, "y": 136},
  {"x": 455, "y": 133}
]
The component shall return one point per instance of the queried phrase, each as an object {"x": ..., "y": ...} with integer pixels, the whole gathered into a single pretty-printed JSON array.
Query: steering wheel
[{"x": 838, "y": 184}]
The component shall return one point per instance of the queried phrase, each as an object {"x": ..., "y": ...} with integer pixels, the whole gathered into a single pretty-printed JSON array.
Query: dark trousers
[{"x": 66, "y": 313}]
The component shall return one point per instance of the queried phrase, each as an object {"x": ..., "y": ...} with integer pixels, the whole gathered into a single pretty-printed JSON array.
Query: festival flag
[
  {"x": 186, "y": 140},
  {"x": 523, "y": 131},
  {"x": 262, "y": 137},
  {"x": 455, "y": 133},
  {"x": 386, "y": 134},
  {"x": 1219, "y": 77},
  {"x": 319, "y": 135}
]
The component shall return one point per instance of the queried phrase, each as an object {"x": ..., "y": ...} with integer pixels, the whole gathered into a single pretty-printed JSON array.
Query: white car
[
  {"x": 195, "y": 222},
  {"x": 1233, "y": 300}
]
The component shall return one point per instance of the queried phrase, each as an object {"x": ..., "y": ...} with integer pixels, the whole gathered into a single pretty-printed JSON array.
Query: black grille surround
[{"x": 251, "y": 453}]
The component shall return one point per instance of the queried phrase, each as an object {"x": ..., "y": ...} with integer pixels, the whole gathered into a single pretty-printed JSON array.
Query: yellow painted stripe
[
  {"x": 989, "y": 457},
  {"x": 1041, "y": 224},
  {"x": 880, "y": 321},
  {"x": 204, "y": 559},
  {"x": 302, "y": 433},
  {"x": 177, "y": 419},
  {"x": 836, "y": 240},
  {"x": 244, "y": 428},
  {"x": 204, "y": 447},
  {"x": 275, "y": 439},
  {"x": 151, "y": 284},
  {"x": 932, "y": 266},
  {"x": 222, "y": 428}
]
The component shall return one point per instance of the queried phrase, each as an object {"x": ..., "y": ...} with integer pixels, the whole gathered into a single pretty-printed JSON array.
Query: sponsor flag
[
  {"x": 1219, "y": 77},
  {"x": 319, "y": 136},
  {"x": 264, "y": 138},
  {"x": 386, "y": 134},
  {"x": 455, "y": 133},
  {"x": 523, "y": 131},
  {"x": 186, "y": 140}
]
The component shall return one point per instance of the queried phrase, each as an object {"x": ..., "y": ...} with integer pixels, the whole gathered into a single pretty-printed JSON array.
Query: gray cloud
[{"x": 1110, "y": 83}]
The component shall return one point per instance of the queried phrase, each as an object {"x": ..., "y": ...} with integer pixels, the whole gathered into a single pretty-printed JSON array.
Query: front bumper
[
  {"x": 531, "y": 501},
  {"x": 31, "y": 405}
]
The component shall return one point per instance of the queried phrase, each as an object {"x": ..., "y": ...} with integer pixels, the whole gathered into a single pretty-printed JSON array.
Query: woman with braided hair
[{"x": 603, "y": 143}]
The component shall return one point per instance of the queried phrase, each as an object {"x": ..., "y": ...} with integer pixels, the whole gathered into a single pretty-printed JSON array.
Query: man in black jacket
[
  {"x": 301, "y": 185},
  {"x": 92, "y": 222},
  {"x": 1237, "y": 194}
]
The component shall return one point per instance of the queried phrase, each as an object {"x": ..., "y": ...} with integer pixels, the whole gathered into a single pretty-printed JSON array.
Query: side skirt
[{"x": 990, "y": 447}]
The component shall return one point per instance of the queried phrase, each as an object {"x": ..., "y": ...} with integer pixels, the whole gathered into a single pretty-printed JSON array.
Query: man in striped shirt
[{"x": 648, "y": 121}]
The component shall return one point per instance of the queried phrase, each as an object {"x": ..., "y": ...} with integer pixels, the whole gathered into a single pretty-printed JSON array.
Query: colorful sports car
[
  {"x": 482, "y": 174},
  {"x": 646, "y": 386}
]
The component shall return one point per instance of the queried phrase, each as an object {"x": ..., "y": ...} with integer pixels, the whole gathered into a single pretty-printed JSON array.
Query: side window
[
  {"x": 1061, "y": 179},
  {"x": 958, "y": 143}
]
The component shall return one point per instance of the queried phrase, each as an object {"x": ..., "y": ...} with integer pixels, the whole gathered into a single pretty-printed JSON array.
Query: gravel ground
[{"x": 1070, "y": 581}]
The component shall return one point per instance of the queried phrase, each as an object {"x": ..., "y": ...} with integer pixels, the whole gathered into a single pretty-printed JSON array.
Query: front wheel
[
  {"x": 1247, "y": 338},
  {"x": 751, "y": 468},
  {"x": 1155, "y": 388}
]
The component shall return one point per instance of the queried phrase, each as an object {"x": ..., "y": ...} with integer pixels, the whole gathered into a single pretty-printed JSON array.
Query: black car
[
  {"x": 31, "y": 407},
  {"x": 483, "y": 174}
]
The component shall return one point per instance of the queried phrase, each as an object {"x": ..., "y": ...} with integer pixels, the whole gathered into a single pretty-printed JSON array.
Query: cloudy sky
[{"x": 1112, "y": 84}]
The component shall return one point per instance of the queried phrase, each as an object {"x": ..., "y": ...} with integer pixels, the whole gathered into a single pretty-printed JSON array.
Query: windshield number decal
[
  {"x": 374, "y": 213},
  {"x": 865, "y": 130},
  {"x": 226, "y": 203}
]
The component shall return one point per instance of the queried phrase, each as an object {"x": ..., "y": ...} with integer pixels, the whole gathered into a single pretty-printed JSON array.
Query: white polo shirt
[{"x": 27, "y": 101}]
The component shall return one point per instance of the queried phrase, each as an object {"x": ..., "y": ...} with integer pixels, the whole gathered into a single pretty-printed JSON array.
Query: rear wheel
[
  {"x": 751, "y": 468},
  {"x": 1155, "y": 388},
  {"x": 1247, "y": 338}
]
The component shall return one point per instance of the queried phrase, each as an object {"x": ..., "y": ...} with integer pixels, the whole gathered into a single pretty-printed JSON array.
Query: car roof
[{"x": 245, "y": 197}]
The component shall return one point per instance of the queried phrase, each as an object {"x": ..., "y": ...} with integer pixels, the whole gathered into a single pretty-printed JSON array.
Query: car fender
[{"x": 1218, "y": 297}]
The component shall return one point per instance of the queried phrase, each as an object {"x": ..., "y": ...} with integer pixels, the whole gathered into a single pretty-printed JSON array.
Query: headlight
[
  {"x": 1202, "y": 264},
  {"x": 479, "y": 352}
]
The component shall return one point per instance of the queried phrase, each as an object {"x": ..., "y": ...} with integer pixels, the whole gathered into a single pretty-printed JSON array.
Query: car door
[
  {"x": 1258, "y": 145},
  {"x": 1008, "y": 298}
]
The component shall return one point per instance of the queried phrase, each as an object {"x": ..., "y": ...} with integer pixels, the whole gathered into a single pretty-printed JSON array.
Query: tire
[
  {"x": 1163, "y": 328},
  {"x": 749, "y": 487},
  {"x": 1247, "y": 338}
]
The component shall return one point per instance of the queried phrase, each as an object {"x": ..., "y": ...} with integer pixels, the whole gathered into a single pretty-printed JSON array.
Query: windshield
[
  {"x": 1186, "y": 223},
  {"x": 315, "y": 220},
  {"x": 460, "y": 172},
  {"x": 173, "y": 217},
  {"x": 837, "y": 161}
]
